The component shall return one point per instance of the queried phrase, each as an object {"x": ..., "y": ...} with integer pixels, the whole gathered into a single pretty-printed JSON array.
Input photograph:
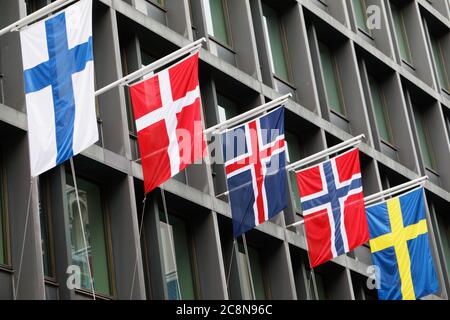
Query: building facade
[{"x": 377, "y": 67}]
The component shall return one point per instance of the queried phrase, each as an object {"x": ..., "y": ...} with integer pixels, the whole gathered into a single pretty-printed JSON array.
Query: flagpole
[
  {"x": 152, "y": 66},
  {"x": 246, "y": 115},
  {"x": 324, "y": 153},
  {"x": 395, "y": 190},
  {"x": 35, "y": 15},
  {"x": 377, "y": 196}
]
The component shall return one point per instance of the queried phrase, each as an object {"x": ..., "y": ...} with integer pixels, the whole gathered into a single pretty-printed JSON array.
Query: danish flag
[
  {"x": 333, "y": 207},
  {"x": 168, "y": 121}
]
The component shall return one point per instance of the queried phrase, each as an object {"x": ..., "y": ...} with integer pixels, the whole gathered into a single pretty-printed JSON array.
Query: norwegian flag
[
  {"x": 333, "y": 207},
  {"x": 255, "y": 161},
  {"x": 168, "y": 121}
]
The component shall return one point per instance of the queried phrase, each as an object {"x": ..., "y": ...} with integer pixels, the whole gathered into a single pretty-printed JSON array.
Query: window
[
  {"x": 44, "y": 217},
  {"x": 93, "y": 221},
  {"x": 276, "y": 43},
  {"x": 439, "y": 60},
  {"x": 35, "y": 5},
  {"x": 400, "y": 32},
  {"x": 217, "y": 20},
  {"x": 256, "y": 273},
  {"x": 293, "y": 154},
  {"x": 227, "y": 108},
  {"x": 331, "y": 78},
  {"x": 444, "y": 232},
  {"x": 3, "y": 220},
  {"x": 320, "y": 285},
  {"x": 153, "y": 9},
  {"x": 424, "y": 140},
  {"x": 159, "y": 2},
  {"x": 380, "y": 111},
  {"x": 360, "y": 7},
  {"x": 176, "y": 246}
]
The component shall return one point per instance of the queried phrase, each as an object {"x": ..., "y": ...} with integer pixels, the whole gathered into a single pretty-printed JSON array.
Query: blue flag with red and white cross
[{"x": 255, "y": 161}]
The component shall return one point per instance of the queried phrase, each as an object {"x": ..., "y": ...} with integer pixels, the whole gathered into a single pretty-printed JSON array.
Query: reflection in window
[
  {"x": 331, "y": 78},
  {"x": 424, "y": 139},
  {"x": 256, "y": 276},
  {"x": 379, "y": 106},
  {"x": 227, "y": 108},
  {"x": 439, "y": 60},
  {"x": 177, "y": 259},
  {"x": 94, "y": 228},
  {"x": 44, "y": 216},
  {"x": 400, "y": 32},
  {"x": 216, "y": 20},
  {"x": 276, "y": 43},
  {"x": 293, "y": 154},
  {"x": 360, "y": 7}
]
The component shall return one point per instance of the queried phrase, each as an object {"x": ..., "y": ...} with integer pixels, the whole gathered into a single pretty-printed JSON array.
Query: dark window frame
[{"x": 108, "y": 238}]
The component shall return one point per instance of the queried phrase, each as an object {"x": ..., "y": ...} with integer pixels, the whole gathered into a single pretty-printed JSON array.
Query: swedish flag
[{"x": 399, "y": 244}]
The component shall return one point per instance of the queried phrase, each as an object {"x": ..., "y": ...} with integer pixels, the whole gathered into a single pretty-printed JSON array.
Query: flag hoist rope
[
  {"x": 137, "y": 255},
  {"x": 19, "y": 272},
  {"x": 72, "y": 167},
  {"x": 171, "y": 240}
]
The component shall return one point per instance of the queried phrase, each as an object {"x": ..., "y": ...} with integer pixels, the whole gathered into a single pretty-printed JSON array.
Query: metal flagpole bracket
[
  {"x": 19, "y": 24},
  {"x": 395, "y": 190},
  {"x": 324, "y": 153},
  {"x": 246, "y": 115},
  {"x": 152, "y": 66},
  {"x": 382, "y": 194}
]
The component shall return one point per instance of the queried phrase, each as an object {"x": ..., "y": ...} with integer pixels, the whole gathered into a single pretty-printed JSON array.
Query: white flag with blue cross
[{"x": 58, "y": 68}]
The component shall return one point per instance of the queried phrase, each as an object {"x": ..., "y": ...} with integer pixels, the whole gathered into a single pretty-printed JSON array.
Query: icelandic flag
[
  {"x": 255, "y": 161},
  {"x": 333, "y": 207},
  {"x": 59, "y": 86}
]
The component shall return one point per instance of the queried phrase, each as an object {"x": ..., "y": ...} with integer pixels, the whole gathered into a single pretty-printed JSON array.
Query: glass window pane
[
  {"x": 45, "y": 227},
  {"x": 216, "y": 20},
  {"x": 400, "y": 32},
  {"x": 329, "y": 69},
  {"x": 34, "y": 5},
  {"x": 294, "y": 154},
  {"x": 276, "y": 44},
  {"x": 257, "y": 275},
  {"x": 227, "y": 108},
  {"x": 177, "y": 259},
  {"x": 2, "y": 223},
  {"x": 245, "y": 281},
  {"x": 444, "y": 231},
  {"x": 146, "y": 58},
  {"x": 320, "y": 287},
  {"x": 94, "y": 228},
  {"x": 440, "y": 66},
  {"x": 425, "y": 146},
  {"x": 360, "y": 7},
  {"x": 379, "y": 110}
]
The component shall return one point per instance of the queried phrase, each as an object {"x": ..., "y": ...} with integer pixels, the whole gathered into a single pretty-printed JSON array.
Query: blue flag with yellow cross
[{"x": 400, "y": 248}]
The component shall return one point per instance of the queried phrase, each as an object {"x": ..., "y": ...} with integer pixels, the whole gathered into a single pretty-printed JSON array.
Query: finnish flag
[{"x": 59, "y": 86}]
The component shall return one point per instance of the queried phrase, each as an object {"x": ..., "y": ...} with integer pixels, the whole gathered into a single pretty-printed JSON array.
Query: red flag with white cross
[{"x": 168, "y": 121}]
